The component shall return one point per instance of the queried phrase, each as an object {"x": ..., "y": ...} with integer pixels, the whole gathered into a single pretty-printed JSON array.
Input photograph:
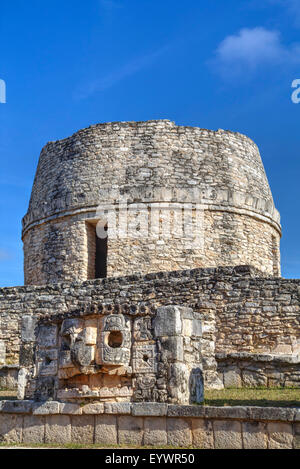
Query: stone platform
[{"x": 150, "y": 424}]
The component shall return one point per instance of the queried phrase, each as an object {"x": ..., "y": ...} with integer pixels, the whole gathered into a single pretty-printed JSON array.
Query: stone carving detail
[
  {"x": 144, "y": 359},
  {"x": 142, "y": 329},
  {"x": 115, "y": 341},
  {"x": 94, "y": 357}
]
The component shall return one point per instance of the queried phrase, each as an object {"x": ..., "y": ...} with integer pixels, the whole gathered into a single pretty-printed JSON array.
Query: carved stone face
[
  {"x": 114, "y": 341},
  {"x": 87, "y": 345}
]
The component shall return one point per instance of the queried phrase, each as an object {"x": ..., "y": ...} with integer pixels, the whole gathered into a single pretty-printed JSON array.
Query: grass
[
  {"x": 262, "y": 397},
  {"x": 6, "y": 395}
]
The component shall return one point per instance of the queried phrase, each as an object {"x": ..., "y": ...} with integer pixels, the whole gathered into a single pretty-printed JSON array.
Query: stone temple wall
[
  {"x": 115, "y": 356},
  {"x": 241, "y": 311},
  {"x": 158, "y": 170}
]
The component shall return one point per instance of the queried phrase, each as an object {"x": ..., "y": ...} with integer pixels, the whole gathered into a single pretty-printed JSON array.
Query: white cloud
[{"x": 253, "y": 48}]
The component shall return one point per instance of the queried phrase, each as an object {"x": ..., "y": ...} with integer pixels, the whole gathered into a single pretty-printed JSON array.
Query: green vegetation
[{"x": 262, "y": 397}]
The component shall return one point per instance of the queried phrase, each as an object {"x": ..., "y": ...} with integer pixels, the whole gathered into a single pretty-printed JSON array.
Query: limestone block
[
  {"x": 178, "y": 383},
  {"x": 203, "y": 436},
  {"x": 26, "y": 356},
  {"x": 228, "y": 434},
  {"x": 153, "y": 409},
  {"x": 33, "y": 429},
  {"x": 168, "y": 321},
  {"x": 97, "y": 408},
  {"x": 46, "y": 408},
  {"x": 11, "y": 428},
  {"x": 117, "y": 408},
  {"x": 155, "y": 431},
  {"x": 23, "y": 376},
  {"x": 255, "y": 435},
  {"x": 16, "y": 407},
  {"x": 28, "y": 324},
  {"x": 232, "y": 378},
  {"x": 297, "y": 436},
  {"x": 2, "y": 352},
  {"x": 70, "y": 408},
  {"x": 144, "y": 358},
  {"x": 280, "y": 435},
  {"x": 253, "y": 379},
  {"x": 173, "y": 347},
  {"x": 197, "y": 328},
  {"x": 83, "y": 428},
  {"x": 91, "y": 332},
  {"x": 179, "y": 432},
  {"x": 58, "y": 429},
  {"x": 187, "y": 327},
  {"x": 106, "y": 430},
  {"x": 47, "y": 336},
  {"x": 130, "y": 430}
]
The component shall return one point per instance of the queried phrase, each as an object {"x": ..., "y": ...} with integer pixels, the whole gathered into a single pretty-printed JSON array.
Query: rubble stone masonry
[
  {"x": 159, "y": 166},
  {"x": 241, "y": 311}
]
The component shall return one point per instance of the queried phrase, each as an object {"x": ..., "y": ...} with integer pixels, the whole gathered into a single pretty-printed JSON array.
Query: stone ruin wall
[
  {"x": 240, "y": 310},
  {"x": 64, "y": 249},
  {"x": 153, "y": 163},
  {"x": 115, "y": 355}
]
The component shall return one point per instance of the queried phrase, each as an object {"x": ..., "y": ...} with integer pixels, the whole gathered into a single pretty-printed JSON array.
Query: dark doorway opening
[{"x": 101, "y": 257}]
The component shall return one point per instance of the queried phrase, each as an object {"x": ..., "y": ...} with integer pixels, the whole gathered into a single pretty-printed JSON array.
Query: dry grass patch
[{"x": 262, "y": 397}]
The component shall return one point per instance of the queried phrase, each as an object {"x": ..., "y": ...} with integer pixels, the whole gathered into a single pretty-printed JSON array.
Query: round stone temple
[{"x": 129, "y": 198}]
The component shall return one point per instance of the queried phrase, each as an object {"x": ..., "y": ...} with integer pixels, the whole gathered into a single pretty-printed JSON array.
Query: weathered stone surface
[
  {"x": 280, "y": 435},
  {"x": 228, "y": 434},
  {"x": 234, "y": 412},
  {"x": 272, "y": 413},
  {"x": 117, "y": 408},
  {"x": 58, "y": 429},
  {"x": 69, "y": 408},
  {"x": 106, "y": 432},
  {"x": 168, "y": 321},
  {"x": 28, "y": 328},
  {"x": 23, "y": 376},
  {"x": 11, "y": 428},
  {"x": 202, "y": 431},
  {"x": 16, "y": 407},
  {"x": 255, "y": 435},
  {"x": 46, "y": 408},
  {"x": 251, "y": 369},
  {"x": 149, "y": 409},
  {"x": 2, "y": 352},
  {"x": 185, "y": 411},
  {"x": 179, "y": 432},
  {"x": 160, "y": 164},
  {"x": 130, "y": 430},
  {"x": 155, "y": 431},
  {"x": 97, "y": 408},
  {"x": 33, "y": 429},
  {"x": 83, "y": 428},
  {"x": 233, "y": 379},
  {"x": 221, "y": 332}
]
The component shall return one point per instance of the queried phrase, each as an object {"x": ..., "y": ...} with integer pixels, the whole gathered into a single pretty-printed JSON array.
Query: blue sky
[{"x": 69, "y": 64}]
